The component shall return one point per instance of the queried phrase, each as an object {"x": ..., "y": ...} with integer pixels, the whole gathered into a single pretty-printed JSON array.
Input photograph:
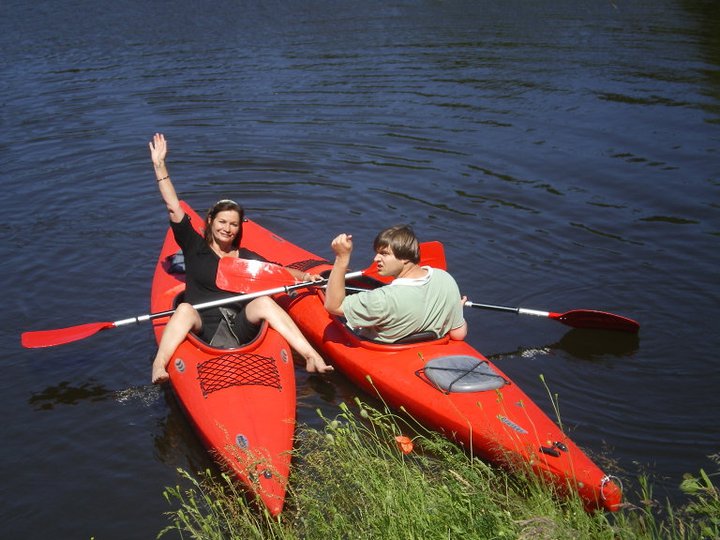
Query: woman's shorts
[{"x": 233, "y": 330}]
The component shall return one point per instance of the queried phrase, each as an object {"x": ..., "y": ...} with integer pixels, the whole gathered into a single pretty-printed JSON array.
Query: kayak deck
[
  {"x": 490, "y": 416},
  {"x": 500, "y": 423}
]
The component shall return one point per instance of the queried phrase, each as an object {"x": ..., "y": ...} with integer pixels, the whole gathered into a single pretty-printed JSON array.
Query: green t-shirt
[{"x": 406, "y": 306}]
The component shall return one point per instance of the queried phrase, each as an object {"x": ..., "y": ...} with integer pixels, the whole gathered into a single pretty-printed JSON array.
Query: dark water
[{"x": 566, "y": 154}]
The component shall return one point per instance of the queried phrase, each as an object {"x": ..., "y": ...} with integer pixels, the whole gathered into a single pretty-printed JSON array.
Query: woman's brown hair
[{"x": 222, "y": 206}]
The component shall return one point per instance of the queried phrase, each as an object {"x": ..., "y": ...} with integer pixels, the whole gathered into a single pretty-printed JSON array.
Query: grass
[{"x": 353, "y": 480}]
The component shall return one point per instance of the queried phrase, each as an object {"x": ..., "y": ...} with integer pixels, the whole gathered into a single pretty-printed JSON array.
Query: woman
[{"x": 223, "y": 234}]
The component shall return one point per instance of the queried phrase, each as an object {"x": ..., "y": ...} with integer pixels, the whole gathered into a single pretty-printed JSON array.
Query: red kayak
[
  {"x": 447, "y": 385},
  {"x": 240, "y": 401},
  {"x": 450, "y": 387}
]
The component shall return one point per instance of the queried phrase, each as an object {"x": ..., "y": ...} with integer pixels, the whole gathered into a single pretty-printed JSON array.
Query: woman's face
[{"x": 225, "y": 227}]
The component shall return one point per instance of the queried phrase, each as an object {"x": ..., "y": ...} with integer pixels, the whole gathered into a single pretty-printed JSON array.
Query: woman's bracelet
[{"x": 167, "y": 176}]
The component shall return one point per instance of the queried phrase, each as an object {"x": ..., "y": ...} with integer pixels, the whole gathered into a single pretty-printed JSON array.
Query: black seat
[{"x": 418, "y": 337}]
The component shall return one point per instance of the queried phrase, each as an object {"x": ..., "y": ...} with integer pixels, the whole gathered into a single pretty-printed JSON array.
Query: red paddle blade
[
  {"x": 248, "y": 276},
  {"x": 588, "y": 318},
  {"x": 433, "y": 254},
  {"x": 60, "y": 336}
]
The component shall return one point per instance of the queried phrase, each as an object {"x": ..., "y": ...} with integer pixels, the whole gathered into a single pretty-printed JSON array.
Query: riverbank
[{"x": 363, "y": 477}]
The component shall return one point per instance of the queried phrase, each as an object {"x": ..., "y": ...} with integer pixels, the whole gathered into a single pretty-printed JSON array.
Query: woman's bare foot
[
  {"x": 315, "y": 364},
  {"x": 159, "y": 374}
]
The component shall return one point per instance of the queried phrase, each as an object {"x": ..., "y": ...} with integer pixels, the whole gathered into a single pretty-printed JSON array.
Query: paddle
[
  {"x": 248, "y": 275},
  {"x": 243, "y": 275},
  {"x": 61, "y": 336},
  {"x": 254, "y": 275},
  {"x": 231, "y": 276},
  {"x": 577, "y": 318}
]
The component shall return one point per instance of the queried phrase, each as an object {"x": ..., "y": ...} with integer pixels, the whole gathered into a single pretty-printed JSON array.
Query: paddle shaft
[
  {"x": 229, "y": 300},
  {"x": 577, "y": 318},
  {"x": 518, "y": 310},
  {"x": 432, "y": 254},
  {"x": 61, "y": 336}
]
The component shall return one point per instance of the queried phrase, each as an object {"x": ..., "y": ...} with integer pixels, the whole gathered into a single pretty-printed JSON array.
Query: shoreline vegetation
[{"x": 369, "y": 474}]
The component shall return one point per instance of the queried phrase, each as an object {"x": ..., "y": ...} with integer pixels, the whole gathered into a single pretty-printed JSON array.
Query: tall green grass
[{"x": 352, "y": 480}]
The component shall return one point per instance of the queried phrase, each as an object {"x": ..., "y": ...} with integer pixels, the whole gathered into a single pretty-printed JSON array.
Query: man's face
[{"x": 387, "y": 263}]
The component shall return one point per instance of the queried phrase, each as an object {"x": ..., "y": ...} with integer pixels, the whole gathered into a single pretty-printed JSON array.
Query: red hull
[
  {"x": 503, "y": 426},
  {"x": 240, "y": 401}
]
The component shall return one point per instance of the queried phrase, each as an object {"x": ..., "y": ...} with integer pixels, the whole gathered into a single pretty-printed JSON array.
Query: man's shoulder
[
  {"x": 440, "y": 274},
  {"x": 442, "y": 278}
]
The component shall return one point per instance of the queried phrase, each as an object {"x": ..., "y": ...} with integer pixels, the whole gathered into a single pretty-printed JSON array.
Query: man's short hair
[{"x": 402, "y": 242}]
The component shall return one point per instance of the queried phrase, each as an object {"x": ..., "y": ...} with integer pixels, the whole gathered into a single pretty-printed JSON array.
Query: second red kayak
[{"x": 450, "y": 387}]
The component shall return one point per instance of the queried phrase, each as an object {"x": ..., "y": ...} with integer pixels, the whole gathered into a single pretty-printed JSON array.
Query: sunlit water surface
[{"x": 565, "y": 153}]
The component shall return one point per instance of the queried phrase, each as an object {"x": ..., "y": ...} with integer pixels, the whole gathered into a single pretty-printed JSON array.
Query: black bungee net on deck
[{"x": 237, "y": 369}]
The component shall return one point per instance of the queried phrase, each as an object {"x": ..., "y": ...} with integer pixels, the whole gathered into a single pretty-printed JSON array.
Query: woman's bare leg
[
  {"x": 185, "y": 319},
  {"x": 265, "y": 308}
]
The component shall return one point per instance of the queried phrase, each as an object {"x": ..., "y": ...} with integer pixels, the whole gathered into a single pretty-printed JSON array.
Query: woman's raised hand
[{"x": 158, "y": 149}]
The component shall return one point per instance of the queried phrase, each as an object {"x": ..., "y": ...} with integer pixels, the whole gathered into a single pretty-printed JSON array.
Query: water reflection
[
  {"x": 322, "y": 387},
  {"x": 67, "y": 393},
  {"x": 583, "y": 344},
  {"x": 176, "y": 443}
]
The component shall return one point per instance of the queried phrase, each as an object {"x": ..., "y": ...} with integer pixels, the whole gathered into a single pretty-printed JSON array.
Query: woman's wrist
[{"x": 161, "y": 172}]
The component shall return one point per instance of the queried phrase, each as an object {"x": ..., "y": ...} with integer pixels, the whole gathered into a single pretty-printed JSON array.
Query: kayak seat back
[
  {"x": 225, "y": 344},
  {"x": 175, "y": 263},
  {"x": 461, "y": 373},
  {"x": 418, "y": 337}
]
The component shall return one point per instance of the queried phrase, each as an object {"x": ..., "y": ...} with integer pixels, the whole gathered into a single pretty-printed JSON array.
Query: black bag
[{"x": 225, "y": 337}]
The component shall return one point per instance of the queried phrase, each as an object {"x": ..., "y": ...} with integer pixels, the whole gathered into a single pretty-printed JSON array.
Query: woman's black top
[{"x": 201, "y": 265}]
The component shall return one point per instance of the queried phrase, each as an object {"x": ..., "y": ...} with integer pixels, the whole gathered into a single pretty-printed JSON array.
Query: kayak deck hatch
[{"x": 460, "y": 373}]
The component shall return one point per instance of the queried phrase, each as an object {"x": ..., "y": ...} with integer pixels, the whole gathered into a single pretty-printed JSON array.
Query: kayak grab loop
[
  {"x": 235, "y": 369},
  {"x": 460, "y": 373},
  {"x": 607, "y": 480}
]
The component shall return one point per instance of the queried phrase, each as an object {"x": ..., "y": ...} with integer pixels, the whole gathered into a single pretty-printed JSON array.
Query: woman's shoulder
[
  {"x": 185, "y": 234},
  {"x": 244, "y": 253}
]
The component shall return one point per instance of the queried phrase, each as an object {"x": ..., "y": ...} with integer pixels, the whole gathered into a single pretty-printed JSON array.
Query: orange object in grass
[{"x": 404, "y": 443}]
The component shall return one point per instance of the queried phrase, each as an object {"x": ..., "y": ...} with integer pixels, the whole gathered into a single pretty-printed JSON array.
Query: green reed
[{"x": 352, "y": 480}]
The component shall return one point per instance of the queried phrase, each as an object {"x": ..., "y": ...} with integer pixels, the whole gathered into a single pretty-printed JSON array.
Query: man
[{"x": 419, "y": 299}]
